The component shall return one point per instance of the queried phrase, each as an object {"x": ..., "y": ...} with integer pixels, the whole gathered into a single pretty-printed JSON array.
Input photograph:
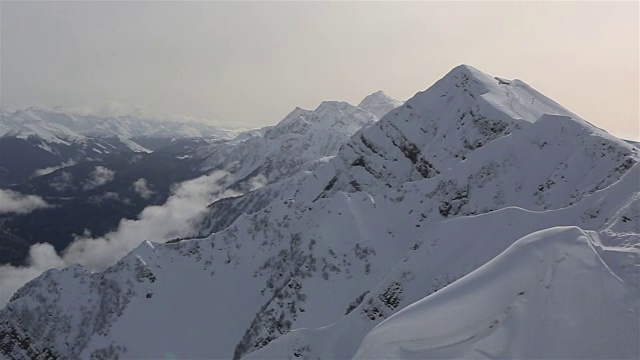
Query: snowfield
[
  {"x": 479, "y": 219},
  {"x": 549, "y": 295}
]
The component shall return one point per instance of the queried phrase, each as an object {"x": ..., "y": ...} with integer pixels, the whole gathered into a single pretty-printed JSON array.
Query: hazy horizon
[{"x": 249, "y": 64}]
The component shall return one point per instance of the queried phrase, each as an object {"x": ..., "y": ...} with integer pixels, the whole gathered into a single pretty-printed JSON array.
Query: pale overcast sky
[{"x": 250, "y": 63}]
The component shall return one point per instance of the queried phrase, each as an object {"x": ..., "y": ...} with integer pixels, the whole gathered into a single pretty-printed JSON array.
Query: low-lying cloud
[
  {"x": 100, "y": 176},
  {"x": 17, "y": 203},
  {"x": 141, "y": 187},
  {"x": 176, "y": 218},
  {"x": 155, "y": 223},
  {"x": 49, "y": 170},
  {"x": 42, "y": 257}
]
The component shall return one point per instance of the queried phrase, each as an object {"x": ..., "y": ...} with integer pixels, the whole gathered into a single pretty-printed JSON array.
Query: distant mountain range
[
  {"x": 36, "y": 139},
  {"x": 52, "y": 153},
  {"x": 478, "y": 219}
]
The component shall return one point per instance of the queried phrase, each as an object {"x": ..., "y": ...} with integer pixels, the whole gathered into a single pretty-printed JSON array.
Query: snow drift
[{"x": 549, "y": 295}]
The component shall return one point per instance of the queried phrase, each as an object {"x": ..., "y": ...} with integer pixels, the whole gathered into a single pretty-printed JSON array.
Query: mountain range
[
  {"x": 478, "y": 219},
  {"x": 265, "y": 154},
  {"x": 39, "y": 140}
]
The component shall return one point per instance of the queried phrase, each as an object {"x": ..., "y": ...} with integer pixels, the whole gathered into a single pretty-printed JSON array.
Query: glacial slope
[{"x": 549, "y": 295}]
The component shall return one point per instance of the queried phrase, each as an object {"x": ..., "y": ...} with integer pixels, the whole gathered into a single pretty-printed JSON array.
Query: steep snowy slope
[
  {"x": 436, "y": 129},
  {"x": 315, "y": 281},
  {"x": 507, "y": 172},
  {"x": 451, "y": 249},
  {"x": 301, "y": 137},
  {"x": 432, "y": 132},
  {"x": 549, "y": 295},
  {"x": 341, "y": 263},
  {"x": 303, "y": 140},
  {"x": 391, "y": 152}
]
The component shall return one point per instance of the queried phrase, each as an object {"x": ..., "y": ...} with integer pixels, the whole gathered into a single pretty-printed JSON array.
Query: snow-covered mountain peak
[
  {"x": 465, "y": 73},
  {"x": 379, "y": 103},
  {"x": 301, "y": 138},
  {"x": 466, "y": 87},
  {"x": 326, "y": 117},
  {"x": 332, "y": 105},
  {"x": 325, "y": 113},
  {"x": 435, "y": 130},
  {"x": 293, "y": 116}
]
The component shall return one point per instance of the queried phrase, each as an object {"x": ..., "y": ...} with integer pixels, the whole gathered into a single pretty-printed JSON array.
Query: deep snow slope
[
  {"x": 316, "y": 267},
  {"x": 506, "y": 172},
  {"x": 434, "y": 130},
  {"x": 301, "y": 137},
  {"x": 302, "y": 141},
  {"x": 453, "y": 248},
  {"x": 549, "y": 295}
]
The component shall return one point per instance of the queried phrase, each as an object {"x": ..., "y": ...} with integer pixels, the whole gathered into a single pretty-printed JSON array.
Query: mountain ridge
[{"x": 312, "y": 263}]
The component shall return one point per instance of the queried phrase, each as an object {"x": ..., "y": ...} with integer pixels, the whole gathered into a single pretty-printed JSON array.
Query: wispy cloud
[
  {"x": 155, "y": 223},
  {"x": 176, "y": 218},
  {"x": 100, "y": 176},
  {"x": 14, "y": 202},
  {"x": 42, "y": 257},
  {"x": 141, "y": 187},
  {"x": 49, "y": 170}
]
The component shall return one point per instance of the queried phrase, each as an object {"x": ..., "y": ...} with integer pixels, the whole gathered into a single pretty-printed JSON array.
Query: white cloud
[
  {"x": 257, "y": 182},
  {"x": 100, "y": 176},
  {"x": 175, "y": 218},
  {"x": 49, "y": 170},
  {"x": 155, "y": 223},
  {"x": 142, "y": 188},
  {"x": 42, "y": 257},
  {"x": 14, "y": 202}
]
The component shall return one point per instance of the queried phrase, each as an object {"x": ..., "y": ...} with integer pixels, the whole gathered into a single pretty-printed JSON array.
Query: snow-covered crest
[
  {"x": 303, "y": 136},
  {"x": 379, "y": 103}
]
